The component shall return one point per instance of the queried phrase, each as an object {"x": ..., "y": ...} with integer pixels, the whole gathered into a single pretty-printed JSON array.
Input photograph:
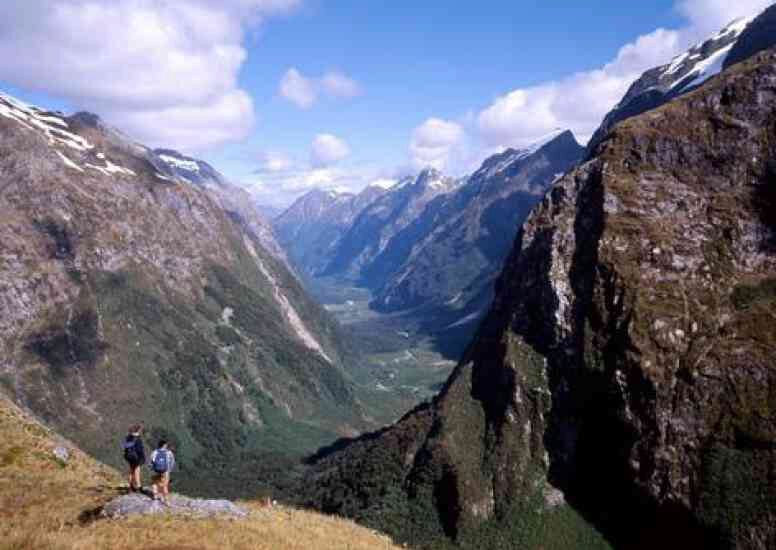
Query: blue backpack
[{"x": 161, "y": 462}]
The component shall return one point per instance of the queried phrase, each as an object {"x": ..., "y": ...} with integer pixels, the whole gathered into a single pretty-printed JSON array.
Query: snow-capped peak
[
  {"x": 703, "y": 60},
  {"x": 497, "y": 164}
]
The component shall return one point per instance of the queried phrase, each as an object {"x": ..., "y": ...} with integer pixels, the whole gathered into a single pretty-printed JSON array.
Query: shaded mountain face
[
  {"x": 689, "y": 70},
  {"x": 128, "y": 294},
  {"x": 311, "y": 227},
  {"x": 379, "y": 222},
  {"x": 447, "y": 259},
  {"x": 235, "y": 199},
  {"x": 623, "y": 382}
]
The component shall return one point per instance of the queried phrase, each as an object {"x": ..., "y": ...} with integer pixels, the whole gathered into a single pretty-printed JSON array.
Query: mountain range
[
  {"x": 613, "y": 308},
  {"x": 431, "y": 244},
  {"x": 620, "y": 391},
  {"x": 311, "y": 227},
  {"x": 137, "y": 285}
]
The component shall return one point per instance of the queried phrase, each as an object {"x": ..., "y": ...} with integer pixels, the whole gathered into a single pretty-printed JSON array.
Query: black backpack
[{"x": 130, "y": 450}]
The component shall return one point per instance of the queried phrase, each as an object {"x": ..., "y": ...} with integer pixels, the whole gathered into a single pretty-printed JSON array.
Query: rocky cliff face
[
  {"x": 128, "y": 294},
  {"x": 624, "y": 378}
]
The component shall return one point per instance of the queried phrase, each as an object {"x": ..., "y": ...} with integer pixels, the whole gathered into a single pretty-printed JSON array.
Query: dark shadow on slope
[
  {"x": 764, "y": 201},
  {"x": 592, "y": 466}
]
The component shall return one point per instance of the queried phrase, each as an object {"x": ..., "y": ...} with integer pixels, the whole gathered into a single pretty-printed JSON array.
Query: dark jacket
[{"x": 139, "y": 449}]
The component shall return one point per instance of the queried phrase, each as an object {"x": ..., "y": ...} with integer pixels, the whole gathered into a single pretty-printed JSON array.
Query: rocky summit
[{"x": 621, "y": 390}]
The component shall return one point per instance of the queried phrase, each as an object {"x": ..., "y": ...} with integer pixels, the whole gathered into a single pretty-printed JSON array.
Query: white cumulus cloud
[
  {"x": 140, "y": 64},
  {"x": 304, "y": 91},
  {"x": 273, "y": 162},
  {"x": 328, "y": 149},
  {"x": 580, "y": 101},
  {"x": 339, "y": 85},
  {"x": 434, "y": 142},
  {"x": 298, "y": 89},
  {"x": 708, "y": 16}
]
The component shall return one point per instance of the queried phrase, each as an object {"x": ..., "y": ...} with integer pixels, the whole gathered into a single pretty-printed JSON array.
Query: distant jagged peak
[
  {"x": 382, "y": 184},
  {"x": 429, "y": 178},
  {"x": 500, "y": 162},
  {"x": 429, "y": 173}
]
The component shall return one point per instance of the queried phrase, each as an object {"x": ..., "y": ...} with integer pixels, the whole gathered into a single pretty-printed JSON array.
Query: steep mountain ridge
[
  {"x": 447, "y": 259},
  {"x": 686, "y": 72},
  {"x": 625, "y": 370},
  {"x": 383, "y": 218},
  {"x": 127, "y": 294},
  {"x": 310, "y": 228}
]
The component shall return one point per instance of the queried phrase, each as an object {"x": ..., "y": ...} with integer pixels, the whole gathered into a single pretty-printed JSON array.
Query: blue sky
[
  {"x": 285, "y": 95},
  {"x": 417, "y": 60}
]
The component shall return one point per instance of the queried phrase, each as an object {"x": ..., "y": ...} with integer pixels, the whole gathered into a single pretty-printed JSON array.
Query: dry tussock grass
[{"x": 47, "y": 505}]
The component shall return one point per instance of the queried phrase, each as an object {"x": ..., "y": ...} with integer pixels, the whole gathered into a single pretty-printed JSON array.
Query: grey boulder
[{"x": 140, "y": 504}]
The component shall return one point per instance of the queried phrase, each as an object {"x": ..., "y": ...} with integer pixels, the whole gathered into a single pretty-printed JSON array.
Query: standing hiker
[
  {"x": 134, "y": 454},
  {"x": 162, "y": 462}
]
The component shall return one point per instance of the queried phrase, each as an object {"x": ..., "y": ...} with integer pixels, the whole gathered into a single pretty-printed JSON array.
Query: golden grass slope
[{"x": 47, "y": 504}]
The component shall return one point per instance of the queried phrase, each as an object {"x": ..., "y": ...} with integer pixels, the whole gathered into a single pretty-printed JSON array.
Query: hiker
[
  {"x": 134, "y": 454},
  {"x": 162, "y": 462}
]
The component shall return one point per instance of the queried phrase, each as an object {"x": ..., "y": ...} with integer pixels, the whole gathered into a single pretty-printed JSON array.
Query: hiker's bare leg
[
  {"x": 136, "y": 478},
  {"x": 155, "y": 489},
  {"x": 166, "y": 488}
]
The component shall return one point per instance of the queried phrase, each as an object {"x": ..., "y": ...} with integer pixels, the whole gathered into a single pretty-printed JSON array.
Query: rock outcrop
[
  {"x": 141, "y": 505},
  {"x": 627, "y": 360}
]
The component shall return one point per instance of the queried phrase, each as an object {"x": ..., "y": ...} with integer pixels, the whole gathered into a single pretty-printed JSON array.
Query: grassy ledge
[{"x": 47, "y": 503}]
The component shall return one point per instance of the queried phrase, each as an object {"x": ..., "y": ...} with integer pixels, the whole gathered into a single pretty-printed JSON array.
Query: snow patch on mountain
[
  {"x": 69, "y": 163},
  {"x": 708, "y": 67},
  {"x": 35, "y": 119},
  {"x": 383, "y": 184},
  {"x": 183, "y": 164},
  {"x": 57, "y": 132},
  {"x": 703, "y": 60}
]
